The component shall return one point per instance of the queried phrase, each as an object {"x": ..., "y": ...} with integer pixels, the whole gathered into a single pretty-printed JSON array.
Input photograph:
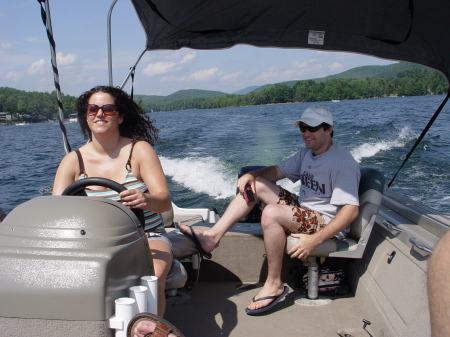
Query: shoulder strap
[
  {"x": 128, "y": 164},
  {"x": 81, "y": 163}
]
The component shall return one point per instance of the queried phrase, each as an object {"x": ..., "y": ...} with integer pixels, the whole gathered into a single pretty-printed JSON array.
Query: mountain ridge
[{"x": 362, "y": 72}]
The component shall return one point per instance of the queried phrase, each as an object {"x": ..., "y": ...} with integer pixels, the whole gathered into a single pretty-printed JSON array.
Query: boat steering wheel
[{"x": 77, "y": 188}]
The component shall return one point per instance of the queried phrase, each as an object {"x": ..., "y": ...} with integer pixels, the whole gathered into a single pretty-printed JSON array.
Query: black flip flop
[
  {"x": 275, "y": 298},
  {"x": 162, "y": 328},
  {"x": 194, "y": 239}
]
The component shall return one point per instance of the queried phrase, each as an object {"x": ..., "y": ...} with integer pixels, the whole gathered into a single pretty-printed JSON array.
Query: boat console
[{"x": 64, "y": 260}]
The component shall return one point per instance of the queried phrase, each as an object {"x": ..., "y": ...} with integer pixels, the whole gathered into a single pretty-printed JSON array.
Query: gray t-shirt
[{"x": 328, "y": 181}]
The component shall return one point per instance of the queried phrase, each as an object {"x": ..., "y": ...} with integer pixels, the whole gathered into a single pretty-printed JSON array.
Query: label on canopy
[{"x": 316, "y": 37}]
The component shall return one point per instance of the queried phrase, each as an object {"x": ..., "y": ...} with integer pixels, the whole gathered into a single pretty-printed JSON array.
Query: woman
[{"x": 120, "y": 149}]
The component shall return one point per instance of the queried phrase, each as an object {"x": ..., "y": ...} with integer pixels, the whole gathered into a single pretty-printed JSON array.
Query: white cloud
[
  {"x": 205, "y": 75},
  {"x": 159, "y": 68},
  {"x": 165, "y": 67},
  {"x": 5, "y": 45},
  {"x": 64, "y": 60},
  {"x": 189, "y": 57},
  {"x": 300, "y": 65},
  {"x": 232, "y": 76},
  {"x": 37, "y": 67},
  {"x": 14, "y": 75},
  {"x": 298, "y": 71},
  {"x": 335, "y": 66}
]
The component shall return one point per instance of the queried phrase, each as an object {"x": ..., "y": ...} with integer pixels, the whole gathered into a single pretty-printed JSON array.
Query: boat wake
[
  {"x": 208, "y": 175},
  {"x": 370, "y": 149}
]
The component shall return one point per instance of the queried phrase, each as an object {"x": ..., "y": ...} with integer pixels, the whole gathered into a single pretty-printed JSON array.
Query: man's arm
[
  {"x": 270, "y": 173},
  {"x": 307, "y": 243}
]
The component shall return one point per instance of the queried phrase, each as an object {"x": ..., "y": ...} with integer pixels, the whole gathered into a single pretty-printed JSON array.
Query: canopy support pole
[
  {"x": 109, "y": 43},
  {"x": 48, "y": 25}
]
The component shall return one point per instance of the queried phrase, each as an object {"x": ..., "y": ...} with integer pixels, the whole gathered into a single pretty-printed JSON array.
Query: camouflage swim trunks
[{"x": 304, "y": 220}]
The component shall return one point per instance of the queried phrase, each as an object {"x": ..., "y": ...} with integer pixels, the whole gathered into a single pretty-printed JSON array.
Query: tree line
[
  {"x": 32, "y": 106},
  {"x": 411, "y": 82}
]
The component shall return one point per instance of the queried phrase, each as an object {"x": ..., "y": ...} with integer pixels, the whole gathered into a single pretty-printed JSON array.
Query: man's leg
[
  {"x": 266, "y": 191},
  {"x": 287, "y": 216},
  {"x": 275, "y": 221}
]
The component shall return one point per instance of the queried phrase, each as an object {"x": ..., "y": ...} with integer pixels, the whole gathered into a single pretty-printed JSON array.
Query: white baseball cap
[{"x": 314, "y": 116}]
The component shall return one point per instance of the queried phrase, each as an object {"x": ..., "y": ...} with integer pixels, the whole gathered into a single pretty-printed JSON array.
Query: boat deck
[
  {"x": 227, "y": 283},
  {"x": 214, "y": 309}
]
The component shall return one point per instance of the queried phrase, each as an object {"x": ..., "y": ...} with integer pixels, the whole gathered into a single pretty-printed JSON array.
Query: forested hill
[
  {"x": 361, "y": 73},
  {"x": 399, "y": 79},
  {"x": 391, "y": 70},
  {"x": 180, "y": 95}
]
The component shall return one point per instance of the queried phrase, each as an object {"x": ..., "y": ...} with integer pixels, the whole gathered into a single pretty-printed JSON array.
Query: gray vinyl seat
[
  {"x": 177, "y": 276},
  {"x": 370, "y": 192}
]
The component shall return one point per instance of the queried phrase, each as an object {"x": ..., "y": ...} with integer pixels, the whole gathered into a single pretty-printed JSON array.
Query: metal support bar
[
  {"x": 133, "y": 68},
  {"x": 313, "y": 278},
  {"x": 109, "y": 43}
]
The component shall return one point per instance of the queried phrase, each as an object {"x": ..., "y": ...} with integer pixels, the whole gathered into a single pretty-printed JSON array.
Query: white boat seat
[
  {"x": 370, "y": 192},
  {"x": 182, "y": 247},
  {"x": 177, "y": 276}
]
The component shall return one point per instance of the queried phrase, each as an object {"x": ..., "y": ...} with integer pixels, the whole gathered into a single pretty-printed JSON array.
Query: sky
[{"x": 80, "y": 33}]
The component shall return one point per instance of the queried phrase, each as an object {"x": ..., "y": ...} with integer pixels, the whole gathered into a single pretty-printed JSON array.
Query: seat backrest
[
  {"x": 167, "y": 218},
  {"x": 370, "y": 192}
]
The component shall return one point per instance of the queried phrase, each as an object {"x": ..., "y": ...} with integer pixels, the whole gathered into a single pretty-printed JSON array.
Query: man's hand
[
  {"x": 245, "y": 181},
  {"x": 304, "y": 247},
  {"x": 307, "y": 243}
]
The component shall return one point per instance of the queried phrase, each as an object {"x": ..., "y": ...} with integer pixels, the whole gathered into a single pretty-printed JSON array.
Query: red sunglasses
[{"x": 108, "y": 109}]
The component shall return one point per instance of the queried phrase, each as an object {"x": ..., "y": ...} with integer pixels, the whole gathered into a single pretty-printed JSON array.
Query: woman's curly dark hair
[{"x": 135, "y": 125}]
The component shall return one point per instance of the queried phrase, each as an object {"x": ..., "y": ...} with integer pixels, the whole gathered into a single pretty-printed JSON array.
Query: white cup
[
  {"x": 126, "y": 309},
  {"x": 151, "y": 282},
  {"x": 139, "y": 293}
]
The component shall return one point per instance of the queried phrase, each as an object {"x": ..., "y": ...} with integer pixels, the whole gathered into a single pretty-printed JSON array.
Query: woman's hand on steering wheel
[
  {"x": 77, "y": 188},
  {"x": 133, "y": 198}
]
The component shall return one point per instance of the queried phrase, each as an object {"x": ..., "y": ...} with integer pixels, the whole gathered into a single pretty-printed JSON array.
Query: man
[{"x": 326, "y": 206}]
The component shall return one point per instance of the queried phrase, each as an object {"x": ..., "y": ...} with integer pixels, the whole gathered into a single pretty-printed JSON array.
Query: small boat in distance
[{"x": 73, "y": 118}]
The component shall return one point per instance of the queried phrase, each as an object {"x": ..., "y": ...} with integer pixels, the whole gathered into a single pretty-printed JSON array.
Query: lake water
[{"x": 204, "y": 149}]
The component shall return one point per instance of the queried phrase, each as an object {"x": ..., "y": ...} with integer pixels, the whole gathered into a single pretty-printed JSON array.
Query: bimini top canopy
[{"x": 407, "y": 30}]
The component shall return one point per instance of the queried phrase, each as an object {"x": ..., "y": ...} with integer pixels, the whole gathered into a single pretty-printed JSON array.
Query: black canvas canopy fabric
[{"x": 406, "y": 30}]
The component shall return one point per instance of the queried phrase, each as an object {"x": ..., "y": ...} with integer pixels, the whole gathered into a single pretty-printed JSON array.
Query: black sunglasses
[
  {"x": 108, "y": 109},
  {"x": 311, "y": 129}
]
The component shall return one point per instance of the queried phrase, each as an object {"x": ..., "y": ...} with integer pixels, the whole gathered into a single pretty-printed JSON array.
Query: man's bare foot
[{"x": 205, "y": 239}]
